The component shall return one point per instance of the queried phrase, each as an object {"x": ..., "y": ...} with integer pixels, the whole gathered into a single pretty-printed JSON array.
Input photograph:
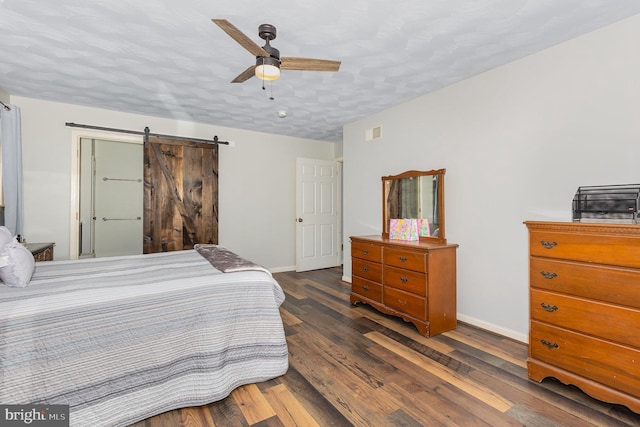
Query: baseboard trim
[
  {"x": 282, "y": 269},
  {"x": 509, "y": 333}
]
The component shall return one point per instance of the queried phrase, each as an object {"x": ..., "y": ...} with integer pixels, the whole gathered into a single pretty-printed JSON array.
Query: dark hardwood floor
[{"x": 354, "y": 366}]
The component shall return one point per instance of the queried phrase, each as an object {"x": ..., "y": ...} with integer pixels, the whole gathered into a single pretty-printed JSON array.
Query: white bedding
[{"x": 120, "y": 339}]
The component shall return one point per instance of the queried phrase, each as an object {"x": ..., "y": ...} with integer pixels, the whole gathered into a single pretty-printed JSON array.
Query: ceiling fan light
[{"x": 267, "y": 69}]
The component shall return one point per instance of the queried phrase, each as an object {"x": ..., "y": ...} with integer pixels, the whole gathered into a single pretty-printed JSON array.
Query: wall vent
[{"x": 373, "y": 133}]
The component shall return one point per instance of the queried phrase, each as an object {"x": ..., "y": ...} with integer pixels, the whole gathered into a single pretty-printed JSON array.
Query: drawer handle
[
  {"x": 365, "y": 252},
  {"x": 548, "y": 275},
  {"x": 549, "y": 308},
  {"x": 549, "y": 344},
  {"x": 404, "y": 279},
  {"x": 365, "y": 287},
  {"x": 548, "y": 245},
  {"x": 365, "y": 269},
  {"x": 403, "y": 259}
]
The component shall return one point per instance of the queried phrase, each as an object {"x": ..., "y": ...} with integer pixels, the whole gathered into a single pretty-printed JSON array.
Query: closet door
[{"x": 180, "y": 195}]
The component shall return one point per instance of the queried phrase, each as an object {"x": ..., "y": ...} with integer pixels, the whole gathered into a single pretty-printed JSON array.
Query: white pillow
[{"x": 17, "y": 265}]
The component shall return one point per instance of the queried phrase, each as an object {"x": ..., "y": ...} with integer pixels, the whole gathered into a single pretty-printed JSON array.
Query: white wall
[
  {"x": 517, "y": 142},
  {"x": 4, "y": 96},
  {"x": 256, "y": 183}
]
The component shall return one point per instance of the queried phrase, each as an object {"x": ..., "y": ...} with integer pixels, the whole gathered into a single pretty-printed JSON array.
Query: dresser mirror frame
[{"x": 426, "y": 186}]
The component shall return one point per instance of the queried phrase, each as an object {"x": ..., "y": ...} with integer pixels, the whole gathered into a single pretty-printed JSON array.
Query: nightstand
[{"x": 41, "y": 251}]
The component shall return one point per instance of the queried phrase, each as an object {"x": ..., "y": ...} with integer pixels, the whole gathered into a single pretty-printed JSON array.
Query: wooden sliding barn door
[{"x": 180, "y": 194}]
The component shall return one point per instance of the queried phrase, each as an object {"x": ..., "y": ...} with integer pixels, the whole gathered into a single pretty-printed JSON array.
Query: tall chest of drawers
[
  {"x": 585, "y": 308},
  {"x": 413, "y": 280}
]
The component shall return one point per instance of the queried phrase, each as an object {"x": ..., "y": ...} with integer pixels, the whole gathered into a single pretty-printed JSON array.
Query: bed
[{"x": 121, "y": 339}]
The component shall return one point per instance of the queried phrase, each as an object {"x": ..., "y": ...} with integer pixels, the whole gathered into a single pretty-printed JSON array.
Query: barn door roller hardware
[{"x": 147, "y": 134}]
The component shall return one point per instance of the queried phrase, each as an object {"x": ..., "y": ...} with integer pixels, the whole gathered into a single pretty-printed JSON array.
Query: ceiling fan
[{"x": 268, "y": 60}]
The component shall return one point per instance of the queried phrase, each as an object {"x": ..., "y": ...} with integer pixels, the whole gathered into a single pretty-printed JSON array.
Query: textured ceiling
[{"x": 167, "y": 59}]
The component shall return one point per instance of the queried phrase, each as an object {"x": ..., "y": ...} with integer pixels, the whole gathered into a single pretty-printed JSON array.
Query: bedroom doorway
[
  {"x": 317, "y": 214},
  {"x": 179, "y": 192},
  {"x": 111, "y": 198}
]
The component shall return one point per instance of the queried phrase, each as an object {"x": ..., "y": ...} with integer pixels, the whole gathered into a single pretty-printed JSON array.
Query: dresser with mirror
[{"x": 412, "y": 279}]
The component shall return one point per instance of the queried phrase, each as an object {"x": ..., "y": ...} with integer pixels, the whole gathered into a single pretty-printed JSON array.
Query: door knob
[{"x": 299, "y": 219}]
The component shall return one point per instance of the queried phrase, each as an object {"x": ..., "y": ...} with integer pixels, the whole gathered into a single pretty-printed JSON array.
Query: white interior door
[
  {"x": 118, "y": 198},
  {"x": 316, "y": 214}
]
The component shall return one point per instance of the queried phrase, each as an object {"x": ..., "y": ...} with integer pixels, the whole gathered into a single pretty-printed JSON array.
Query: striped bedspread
[{"x": 120, "y": 339}]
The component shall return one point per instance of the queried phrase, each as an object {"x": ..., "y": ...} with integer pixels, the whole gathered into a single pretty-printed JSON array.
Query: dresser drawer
[
  {"x": 366, "y": 288},
  {"x": 609, "y": 284},
  {"x": 592, "y": 247},
  {"x": 587, "y": 316},
  {"x": 406, "y": 280},
  {"x": 593, "y": 358},
  {"x": 416, "y": 261},
  {"x": 405, "y": 302},
  {"x": 367, "y": 270},
  {"x": 366, "y": 251}
]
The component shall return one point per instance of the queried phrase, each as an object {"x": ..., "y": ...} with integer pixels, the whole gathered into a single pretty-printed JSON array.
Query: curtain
[{"x": 11, "y": 141}]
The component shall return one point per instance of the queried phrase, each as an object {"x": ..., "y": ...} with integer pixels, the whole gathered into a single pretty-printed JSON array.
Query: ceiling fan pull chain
[{"x": 271, "y": 88}]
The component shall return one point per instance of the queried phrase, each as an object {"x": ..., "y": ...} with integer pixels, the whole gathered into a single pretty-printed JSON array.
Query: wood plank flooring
[{"x": 355, "y": 366}]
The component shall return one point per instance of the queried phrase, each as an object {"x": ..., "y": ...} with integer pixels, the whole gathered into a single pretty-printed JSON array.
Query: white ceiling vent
[{"x": 373, "y": 133}]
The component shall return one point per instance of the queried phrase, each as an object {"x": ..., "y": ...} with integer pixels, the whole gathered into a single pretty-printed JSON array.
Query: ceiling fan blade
[
  {"x": 245, "y": 75},
  {"x": 240, "y": 37},
  {"x": 309, "y": 64}
]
